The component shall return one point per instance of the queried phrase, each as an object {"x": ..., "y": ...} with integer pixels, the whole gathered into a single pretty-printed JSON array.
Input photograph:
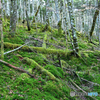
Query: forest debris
[
  {"x": 15, "y": 49},
  {"x": 17, "y": 68},
  {"x": 62, "y": 53},
  {"x": 43, "y": 70},
  {"x": 73, "y": 73},
  {"x": 90, "y": 82},
  {"x": 77, "y": 86}
]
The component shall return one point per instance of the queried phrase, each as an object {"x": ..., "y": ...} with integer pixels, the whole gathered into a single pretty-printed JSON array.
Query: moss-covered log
[
  {"x": 62, "y": 53},
  {"x": 40, "y": 68}
]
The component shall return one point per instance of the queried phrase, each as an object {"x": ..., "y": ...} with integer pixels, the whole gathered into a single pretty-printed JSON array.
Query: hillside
[{"x": 56, "y": 70}]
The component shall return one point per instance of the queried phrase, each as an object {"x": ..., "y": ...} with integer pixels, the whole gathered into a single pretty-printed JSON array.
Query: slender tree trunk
[
  {"x": 13, "y": 17},
  {"x": 76, "y": 48},
  {"x": 47, "y": 15},
  {"x": 94, "y": 22},
  {"x": 36, "y": 13},
  {"x": 60, "y": 21},
  {"x": 32, "y": 7},
  {"x": 1, "y": 32},
  {"x": 27, "y": 18}
]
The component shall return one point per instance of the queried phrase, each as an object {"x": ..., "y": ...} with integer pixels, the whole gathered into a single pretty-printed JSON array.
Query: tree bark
[
  {"x": 27, "y": 18},
  {"x": 94, "y": 22},
  {"x": 17, "y": 68},
  {"x": 1, "y": 32},
  {"x": 62, "y": 53},
  {"x": 76, "y": 48},
  {"x": 13, "y": 17}
]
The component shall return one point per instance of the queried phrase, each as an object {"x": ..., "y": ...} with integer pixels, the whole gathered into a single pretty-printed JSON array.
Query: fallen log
[
  {"x": 17, "y": 68},
  {"x": 40, "y": 68},
  {"x": 15, "y": 49},
  {"x": 62, "y": 53}
]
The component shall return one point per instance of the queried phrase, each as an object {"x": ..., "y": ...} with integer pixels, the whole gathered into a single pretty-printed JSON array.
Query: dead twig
[{"x": 90, "y": 82}]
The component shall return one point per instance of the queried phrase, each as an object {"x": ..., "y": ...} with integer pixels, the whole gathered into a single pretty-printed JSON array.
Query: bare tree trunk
[
  {"x": 1, "y": 31},
  {"x": 13, "y": 17},
  {"x": 76, "y": 48},
  {"x": 27, "y": 18},
  {"x": 94, "y": 22},
  {"x": 36, "y": 13}
]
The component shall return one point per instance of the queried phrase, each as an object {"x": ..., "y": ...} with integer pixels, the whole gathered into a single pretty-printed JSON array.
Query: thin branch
[
  {"x": 17, "y": 68},
  {"x": 77, "y": 86},
  {"x": 75, "y": 74},
  {"x": 90, "y": 82},
  {"x": 15, "y": 49}
]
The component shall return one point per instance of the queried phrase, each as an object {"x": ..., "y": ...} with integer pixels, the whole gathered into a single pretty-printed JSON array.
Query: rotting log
[
  {"x": 62, "y": 53},
  {"x": 40, "y": 68}
]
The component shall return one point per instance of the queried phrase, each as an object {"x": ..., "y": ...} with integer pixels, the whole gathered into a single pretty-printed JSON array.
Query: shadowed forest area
[{"x": 49, "y": 49}]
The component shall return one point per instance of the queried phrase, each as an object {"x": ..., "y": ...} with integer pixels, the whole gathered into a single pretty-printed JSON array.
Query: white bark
[{"x": 76, "y": 48}]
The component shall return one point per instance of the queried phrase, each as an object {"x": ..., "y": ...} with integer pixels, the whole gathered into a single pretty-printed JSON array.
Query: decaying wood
[
  {"x": 62, "y": 53},
  {"x": 90, "y": 82},
  {"x": 15, "y": 49},
  {"x": 77, "y": 86},
  {"x": 16, "y": 68}
]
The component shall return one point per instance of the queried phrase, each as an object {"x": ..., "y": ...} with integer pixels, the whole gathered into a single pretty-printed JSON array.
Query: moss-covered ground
[{"x": 15, "y": 85}]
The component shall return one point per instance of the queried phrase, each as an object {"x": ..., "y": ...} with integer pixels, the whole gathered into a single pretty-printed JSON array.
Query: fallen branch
[
  {"x": 17, "y": 68},
  {"x": 80, "y": 88},
  {"x": 15, "y": 49},
  {"x": 90, "y": 82},
  {"x": 40, "y": 68},
  {"x": 77, "y": 86},
  {"x": 62, "y": 53},
  {"x": 74, "y": 73}
]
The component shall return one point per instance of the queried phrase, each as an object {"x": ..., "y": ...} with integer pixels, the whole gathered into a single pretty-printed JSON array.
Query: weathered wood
[
  {"x": 15, "y": 49},
  {"x": 17, "y": 68},
  {"x": 62, "y": 53}
]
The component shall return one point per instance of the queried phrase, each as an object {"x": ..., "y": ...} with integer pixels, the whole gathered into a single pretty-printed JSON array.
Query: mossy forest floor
[{"x": 15, "y": 85}]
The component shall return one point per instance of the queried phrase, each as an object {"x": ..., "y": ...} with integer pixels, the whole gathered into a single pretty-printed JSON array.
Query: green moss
[
  {"x": 53, "y": 89},
  {"x": 38, "y": 67},
  {"x": 38, "y": 49},
  {"x": 58, "y": 72}
]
